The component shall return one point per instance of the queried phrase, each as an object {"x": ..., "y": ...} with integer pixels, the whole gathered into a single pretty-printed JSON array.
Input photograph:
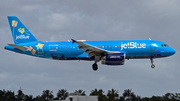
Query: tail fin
[{"x": 20, "y": 33}]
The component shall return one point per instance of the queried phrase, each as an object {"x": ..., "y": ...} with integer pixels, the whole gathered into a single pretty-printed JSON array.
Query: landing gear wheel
[
  {"x": 152, "y": 66},
  {"x": 95, "y": 67}
]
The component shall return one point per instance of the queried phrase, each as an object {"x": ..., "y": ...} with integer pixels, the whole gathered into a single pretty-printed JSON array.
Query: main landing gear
[
  {"x": 95, "y": 66},
  {"x": 152, "y": 65}
]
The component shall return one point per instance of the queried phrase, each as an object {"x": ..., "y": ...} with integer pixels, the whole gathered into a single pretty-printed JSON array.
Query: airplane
[{"x": 111, "y": 53}]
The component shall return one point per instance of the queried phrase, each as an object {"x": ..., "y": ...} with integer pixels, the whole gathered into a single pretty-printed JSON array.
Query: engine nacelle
[{"x": 113, "y": 59}]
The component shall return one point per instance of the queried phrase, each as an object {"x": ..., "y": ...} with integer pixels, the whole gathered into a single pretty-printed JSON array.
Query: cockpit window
[{"x": 164, "y": 45}]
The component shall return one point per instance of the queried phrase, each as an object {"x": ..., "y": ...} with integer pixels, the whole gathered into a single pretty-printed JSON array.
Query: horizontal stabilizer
[{"x": 18, "y": 47}]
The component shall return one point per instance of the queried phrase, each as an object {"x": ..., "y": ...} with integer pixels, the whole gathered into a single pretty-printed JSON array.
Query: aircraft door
[
  {"x": 153, "y": 46},
  {"x": 40, "y": 51}
]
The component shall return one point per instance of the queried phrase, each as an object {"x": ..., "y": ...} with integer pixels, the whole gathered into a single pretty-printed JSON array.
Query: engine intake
[{"x": 113, "y": 59}]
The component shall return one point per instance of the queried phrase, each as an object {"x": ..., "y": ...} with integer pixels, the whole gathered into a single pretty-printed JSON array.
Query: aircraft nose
[{"x": 172, "y": 51}]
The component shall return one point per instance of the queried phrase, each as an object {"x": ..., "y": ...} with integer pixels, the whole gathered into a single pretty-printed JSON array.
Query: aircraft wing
[
  {"x": 18, "y": 47},
  {"x": 91, "y": 50}
]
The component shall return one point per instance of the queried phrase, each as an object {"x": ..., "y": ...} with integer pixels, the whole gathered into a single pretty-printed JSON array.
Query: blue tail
[{"x": 20, "y": 33}]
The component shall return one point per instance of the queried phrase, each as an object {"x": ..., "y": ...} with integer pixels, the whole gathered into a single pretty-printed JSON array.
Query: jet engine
[{"x": 113, "y": 59}]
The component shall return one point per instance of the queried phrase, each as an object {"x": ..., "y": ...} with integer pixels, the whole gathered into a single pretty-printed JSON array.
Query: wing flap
[
  {"x": 83, "y": 46},
  {"x": 90, "y": 49}
]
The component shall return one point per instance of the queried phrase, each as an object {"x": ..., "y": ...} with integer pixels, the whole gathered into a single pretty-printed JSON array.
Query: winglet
[{"x": 73, "y": 40}]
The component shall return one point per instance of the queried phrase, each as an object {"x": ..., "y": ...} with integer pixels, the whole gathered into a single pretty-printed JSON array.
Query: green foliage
[
  {"x": 100, "y": 94},
  {"x": 128, "y": 94},
  {"x": 47, "y": 95},
  {"x": 81, "y": 92},
  {"x": 62, "y": 94},
  {"x": 112, "y": 95},
  {"x": 7, "y": 95},
  {"x": 20, "y": 95}
]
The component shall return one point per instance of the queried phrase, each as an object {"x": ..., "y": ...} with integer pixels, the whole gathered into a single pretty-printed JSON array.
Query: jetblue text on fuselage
[{"x": 132, "y": 45}]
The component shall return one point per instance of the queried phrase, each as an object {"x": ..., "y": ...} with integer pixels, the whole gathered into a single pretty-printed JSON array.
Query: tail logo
[
  {"x": 39, "y": 46},
  {"x": 14, "y": 23},
  {"x": 33, "y": 51},
  {"x": 30, "y": 48},
  {"x": 22, "y": 31}
]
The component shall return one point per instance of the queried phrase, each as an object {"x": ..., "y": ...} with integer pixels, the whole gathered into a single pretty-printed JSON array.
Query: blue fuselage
[{"x": 133, "y": 49}]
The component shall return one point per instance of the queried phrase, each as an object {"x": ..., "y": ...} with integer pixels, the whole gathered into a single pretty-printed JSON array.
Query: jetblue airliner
[{"x": 108, "y": 52}]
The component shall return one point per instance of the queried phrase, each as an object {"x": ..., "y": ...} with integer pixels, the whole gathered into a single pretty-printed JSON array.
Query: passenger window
[
  {"x": 162, "y": 45},
  {"x": 49, "y": 47},
  {"x": 105, "y": 46}
]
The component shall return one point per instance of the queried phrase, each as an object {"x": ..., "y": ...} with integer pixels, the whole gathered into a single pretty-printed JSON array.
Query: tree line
[{"x": 112, "y": 95}]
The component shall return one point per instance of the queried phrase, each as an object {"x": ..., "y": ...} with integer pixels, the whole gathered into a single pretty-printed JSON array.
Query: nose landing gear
[{"x": 152, "y": 65}]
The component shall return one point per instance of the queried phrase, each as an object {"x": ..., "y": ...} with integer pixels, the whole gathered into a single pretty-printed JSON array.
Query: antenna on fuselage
[{"x": 149, "y": 38}]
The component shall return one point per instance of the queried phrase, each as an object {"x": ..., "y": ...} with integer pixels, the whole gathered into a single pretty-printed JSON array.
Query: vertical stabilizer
[{"x": 20, "y": 33}]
